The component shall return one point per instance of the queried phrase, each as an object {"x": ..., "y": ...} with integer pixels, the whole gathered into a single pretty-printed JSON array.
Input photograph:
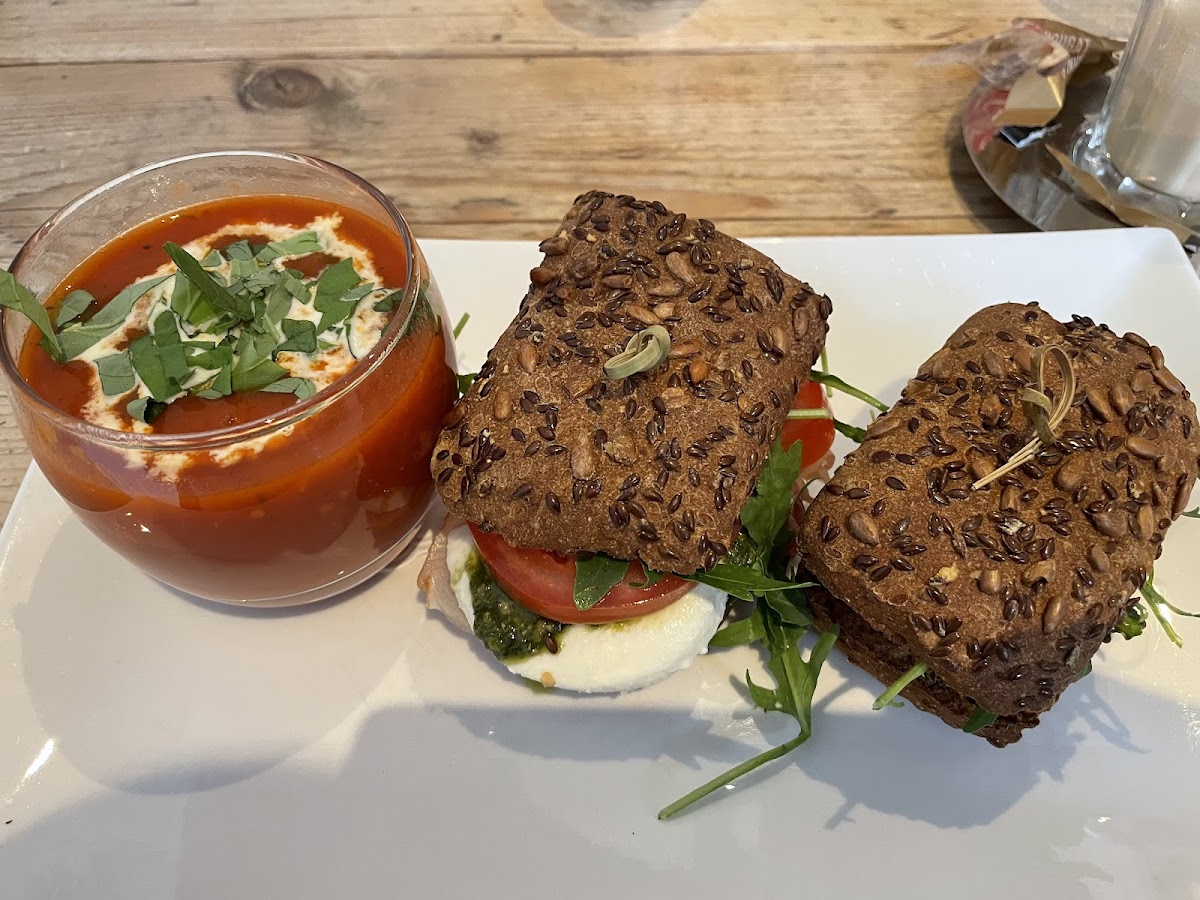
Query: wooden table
[{"x": 483, "y": 118}]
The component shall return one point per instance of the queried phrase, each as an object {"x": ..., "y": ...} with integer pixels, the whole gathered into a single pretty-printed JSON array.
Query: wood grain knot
[{"x": 282, "y": 87}]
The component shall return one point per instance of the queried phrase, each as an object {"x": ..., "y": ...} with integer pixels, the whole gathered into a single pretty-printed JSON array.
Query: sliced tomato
[
  {"x": 817, "y": 434},
  {"x": 544, "y": 583}
]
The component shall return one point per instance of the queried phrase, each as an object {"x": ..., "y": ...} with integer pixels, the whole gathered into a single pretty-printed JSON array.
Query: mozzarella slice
[{"x": 623, "y": 656}]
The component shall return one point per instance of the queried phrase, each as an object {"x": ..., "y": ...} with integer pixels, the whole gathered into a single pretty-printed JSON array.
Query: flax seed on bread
[
  {"x": 550, "y": 452},
  {"x": 1006, "y": 591}
]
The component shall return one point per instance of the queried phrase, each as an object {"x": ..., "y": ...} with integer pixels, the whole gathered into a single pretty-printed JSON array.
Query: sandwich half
[
  {"x": 603, "y": 454},
  {"x": 989, "y": 584}
]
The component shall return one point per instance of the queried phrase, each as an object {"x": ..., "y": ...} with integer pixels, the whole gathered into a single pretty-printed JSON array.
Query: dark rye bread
[
  {"x": 886, "y": 659},
  {"x": 1007, "y": 591},
  {"x": 550, "y": 452}
]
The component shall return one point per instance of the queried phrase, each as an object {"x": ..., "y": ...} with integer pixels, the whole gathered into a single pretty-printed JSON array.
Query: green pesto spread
[{"x": 506, "y": 628}]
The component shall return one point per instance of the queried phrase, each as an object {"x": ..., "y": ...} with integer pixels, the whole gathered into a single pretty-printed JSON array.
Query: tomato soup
[{"x": 299, "y": 435}]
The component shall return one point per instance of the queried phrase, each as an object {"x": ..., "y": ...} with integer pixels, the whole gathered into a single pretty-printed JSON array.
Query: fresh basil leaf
[
  {"x": 301, "y": 387},
  {"x": 790, "y": 607},
  {"x": 15, "y": 296},
  {"x": 652, "y": 578},
  {"x": 743, "y": 631},
  {"x": 79, "y": 336},
  {"x": 216, "y": 293},
  {"x": 300, "y": 334},
  {"x": 116, "y": 374},
  {"x": 743, "y": 582},
  {"x": 837, "y": 384},
  {"x": 332, "y": 286},
  {"x": 765, "y": 514},
  {"x": 301, "y": 244},
  {"x": 979, "y": 720},
  {"x": 170, "y": 347},
  {"x": 595, "y": 577},
  {"x": 144, "y": 409},
  {"x": 148, "y": 363},
  {"x": 74, "y": 305}
]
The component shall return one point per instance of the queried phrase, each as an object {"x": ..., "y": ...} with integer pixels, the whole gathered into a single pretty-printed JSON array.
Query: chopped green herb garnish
[
  {"x": 300, "y": 334},
  {"x": 145, "y": 409},
  {"x": 215, "y": 292},
  {"x": 388, "y": 303},
  {"x": 254, "y": 368},
  {"x": 301, "y": 387},
  {"x": 74, "y": 305},
  {"x": 116, "y": 374},
  {"x": 15, "y": 296},
  {"x": 332, "y": 287},
  {"x": 301, "y": 244}
]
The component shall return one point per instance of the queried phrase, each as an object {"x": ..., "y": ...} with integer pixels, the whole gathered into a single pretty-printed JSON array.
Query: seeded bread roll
[
  {"x": 1007, "y": 591},
  {"x": 551, "y": 452}
]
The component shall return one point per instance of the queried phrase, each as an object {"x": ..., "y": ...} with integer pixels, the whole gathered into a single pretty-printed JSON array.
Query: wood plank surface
[
  {"x": 64, "y": 31},
  {"x": 482, "y": 119}
]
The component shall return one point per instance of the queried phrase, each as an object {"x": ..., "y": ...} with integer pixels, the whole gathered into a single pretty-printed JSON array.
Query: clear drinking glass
[
  {"x": 1145, "y": 147},
  {"x": 302, "y": 505}
]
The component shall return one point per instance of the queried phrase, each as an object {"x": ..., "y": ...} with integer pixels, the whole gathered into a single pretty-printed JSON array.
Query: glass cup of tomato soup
[{"x": 247, "y": 368}]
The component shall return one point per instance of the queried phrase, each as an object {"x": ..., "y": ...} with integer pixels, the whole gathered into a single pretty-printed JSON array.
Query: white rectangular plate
[{"x": 153, "y": 747}]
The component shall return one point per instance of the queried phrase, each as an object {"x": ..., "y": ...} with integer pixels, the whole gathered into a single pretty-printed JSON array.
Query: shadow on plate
[
  {"x": 476, "y": 795},
  {"x": 621, "y": 18},
  {"x": 148, "y": 694}
]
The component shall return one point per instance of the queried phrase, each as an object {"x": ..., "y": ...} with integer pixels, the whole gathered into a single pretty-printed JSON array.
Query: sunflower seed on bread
[
  {"x": 551, "y": 452},
  {"x": 1007, "y": 591}
]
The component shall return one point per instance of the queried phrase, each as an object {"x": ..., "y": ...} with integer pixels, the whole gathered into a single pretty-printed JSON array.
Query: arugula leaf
[
  {"x": 856, "y": 434},
  {"x": 332, "y": 287},
  {"x": 652, "y": 578},
  {"x": 790, "y": 606},
  {"x": 595, "y": 577},
  {"x": 743, "y": 582},
  {"x": 462, "y": 323},
  {"x": 979, "y": 720},
  {"x": 1133, "y": 623},
  {"x": 1193, "y": 513},
  {"x": 116, "y": 374},
  {"x": 216, "y": 293},
  {"x": 798, "y": 694},
  {"x": 741, "y": 631},
  {"x": 301, "y": 387},
  {"x": 74, "y": 305},
  {"x": 301, "y": 244},
  {"x": 832, "y": 381},
  {"x": 78, "y": 337},
  {"x": 144, "y": 409},
  {"x": 886, "y": 698},
  {"x": 15, "y": 296},
  {"x": 765, "y": 514},
  {"x": 465, "y": 381},
  {"x": 301, "y": 336},
  {"x": 1162, "y": 608}
]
